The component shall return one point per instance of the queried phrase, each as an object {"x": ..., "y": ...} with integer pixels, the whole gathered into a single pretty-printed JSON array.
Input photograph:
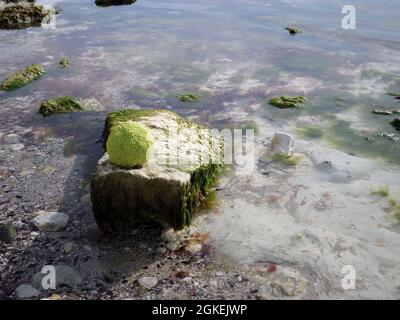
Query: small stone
[
  {"x": 194, "y": 247},
  {"x": 17, "y": 147},
  {"x": 68, "y": 247},
  {"x": 162, "y": 250},
  {"x": 169, "y": 235},
  {"x": 172, "y": 246},
  {"x": 26, "y": 291},
  {"x": 7, "y": 232},
  {"x": 282, "y": 144},
  {"x": 148, "y": 282},
  {"x": 50, "y": 221},
  {"x": 219, "y": 273}
]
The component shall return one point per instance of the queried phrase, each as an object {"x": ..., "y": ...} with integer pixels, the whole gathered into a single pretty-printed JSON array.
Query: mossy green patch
[
  {"x": 381, "y": 191},
  {"x": 310, "y": 132},
  {"x": 64, "y": 63},
  {"x": 292, "y": 161},
  {"x": 188, "y": 97},
  {"x": 293, "y": 31},
  {"x": 285, "y": 102},
  {"x": 128, "y": 144},
  {"x": 60, "y": 105},
  {"x": 22, "y": 77}
]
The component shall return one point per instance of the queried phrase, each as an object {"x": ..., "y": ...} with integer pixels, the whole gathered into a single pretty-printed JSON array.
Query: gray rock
[
  {"x": 148, "y": 282},
  {"x": 65, "y": 275},
  {"x": 26, "y": 291},
  {"x": 183, "y": 163},
  {"x": 7, "y": 232},
  {"x": 50, "y": 221}
]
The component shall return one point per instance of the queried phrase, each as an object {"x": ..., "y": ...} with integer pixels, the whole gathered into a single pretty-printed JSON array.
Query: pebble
[
  {"x": 17, "y": 147},
  {"x": 25, "y": 291},
  {"x": 68, "y": 247},
  {"x": 148, "y": 282},
  {"x": 50, "y": 221}
]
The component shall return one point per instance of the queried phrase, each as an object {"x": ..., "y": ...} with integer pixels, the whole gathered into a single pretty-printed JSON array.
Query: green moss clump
[
  {"x": 128, "y": 144},
  {"x": 194, "y": 192},
  {"x": 188, "y": 98},
  {"x": 285, "y": 102},
  {"x": 60, "y": 105},
  {"x": 396, "y": 123},
  {"x": 293, "y": 31},
  {"x": 64, "y": 63},
  {"x": 22, "y": 77},
  {"x": 310, "y": 132},
  {"x": 382, "y": 192}
]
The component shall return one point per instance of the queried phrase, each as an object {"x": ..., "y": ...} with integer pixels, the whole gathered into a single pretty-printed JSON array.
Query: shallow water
[{"x": 237, "y": 55}]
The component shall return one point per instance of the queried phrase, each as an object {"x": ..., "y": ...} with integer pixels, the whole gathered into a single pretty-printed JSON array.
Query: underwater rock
[
  {"x": 396, "y": 95},
  {"x": 65, "y": 276},
  {"x": 7, "y": 232},
  {"x": 107, "y": 3},
  {"x": 68, "y": 104},
  {"x": 22, "y": 15},
  {"x": 285, "y": 102},
  {"x": 282, "y": 144},
  {"x": 26, "y": 291},
  {"x": 190, "y": 97},
  {"x": 64, "y": 63},
  {"x": 293, "y": 31},
  {"x": 382, "y": 112},
  {"x": 396, "y": 123},
  {"x": 183, "y": 163},
  {"x": 22, "y": 77}
]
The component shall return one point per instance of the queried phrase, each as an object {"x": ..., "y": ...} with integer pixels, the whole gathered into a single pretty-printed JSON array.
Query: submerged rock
[
  {"x": 7, "y": 232},
  {"x": 22, "y": 15},
  {"x": 22, "y": 77},
  {"x": 65, "y": 276},
  {"x": 68, "y": 104},
  {"x": 293, "y": 31},
  {"x": 190, "y": 97},
  {"x": 64, "y": 63},
  {"x": 285, "y": 102},
  {"x": 282, "y": 144},
  {"x": 396, "y": 123},
  {"x": 107, "y": 3},
  {"x": 184, "y": 162}
]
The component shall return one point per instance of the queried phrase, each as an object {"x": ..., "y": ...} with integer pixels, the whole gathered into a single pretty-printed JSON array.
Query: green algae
[
  {"x": 64, "y": 63},
  {"x": 310, "y": 132},
  {"x": 381, "y": 191},
  {"x": 188, "y": 97},
  {"x": 22, "y": 77},
  {"x": 285, "y": 102},
  {"x": 21, "y": 16},
  {"x": 60, "y": 105},
  {"x": 290, "y": 162},
  {"x": 293, "y": 31}
]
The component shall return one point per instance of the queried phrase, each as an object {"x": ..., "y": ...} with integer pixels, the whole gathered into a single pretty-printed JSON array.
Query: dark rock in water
[
  {"x": 189, "y": 97},
  {"x": 22, "y": 15},
  {"x": 396, "y": 123},
  {"x": 22, "y": 77},
  {"x": 7, "y": 232},
  {"x": 108, "y": 3},
  {"x": 183, "y": 163},
  {"x": 64, "y": 63},
  {"x": 66, "y": 104},
  {"x": 293, "y": 31},
  {"x": 285, "y": 102}
]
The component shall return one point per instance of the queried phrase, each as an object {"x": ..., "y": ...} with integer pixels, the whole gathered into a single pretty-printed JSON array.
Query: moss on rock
[
  {"x": 22, "y": 77},
  {"x": 188, "y": 98},
  {"x": 60, "y": 105},
  {"x": 64, "y": 63},
  {"x": 293, "y": 31},
  {"x": 21, "y": 16},
  {"x": 285, "y": 102},
  {"x": 128, "y": 145}
]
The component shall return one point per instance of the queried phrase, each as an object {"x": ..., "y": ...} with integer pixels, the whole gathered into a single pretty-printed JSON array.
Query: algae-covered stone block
[
  {"x": 65, "y": 104},
  {"x": 22, "y": 77},
  {"x": 22, "y": 15},
  {"x": 184, "y": 161}
]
